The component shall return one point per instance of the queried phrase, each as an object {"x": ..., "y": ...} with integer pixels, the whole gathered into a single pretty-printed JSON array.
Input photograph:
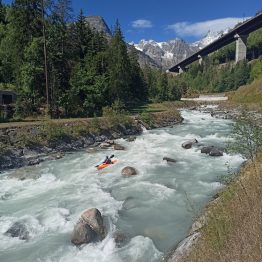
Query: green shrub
[{"x": 146, "y": 118}]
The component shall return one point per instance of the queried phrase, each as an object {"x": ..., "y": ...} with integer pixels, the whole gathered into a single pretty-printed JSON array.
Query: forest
[{"x": 84, "y": 70}]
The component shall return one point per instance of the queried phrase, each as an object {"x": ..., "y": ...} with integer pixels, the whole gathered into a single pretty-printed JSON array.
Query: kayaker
[{"x": 107, "y": 160}]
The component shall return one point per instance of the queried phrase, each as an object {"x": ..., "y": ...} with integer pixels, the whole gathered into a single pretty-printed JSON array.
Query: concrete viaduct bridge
[{"x": 238, "y": 34}]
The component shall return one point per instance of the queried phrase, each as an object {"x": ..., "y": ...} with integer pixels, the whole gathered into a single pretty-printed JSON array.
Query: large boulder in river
[
  {"x": 18, "y": 229},
  {"x": 216, "y": 152},
  {"x": 94, "y": 219},
  {"x": 82, "y": 234},
  {"x": 188, "y": 144},
  {"x": 89, "y": 228},
  {"x": 212, "y": 151},
  {"x": 206, "y": 149},
  {"x": 128, "y": 171}
]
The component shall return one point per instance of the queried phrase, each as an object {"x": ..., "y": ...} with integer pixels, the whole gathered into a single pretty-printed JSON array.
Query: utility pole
[{"x": 45, "y": 58}]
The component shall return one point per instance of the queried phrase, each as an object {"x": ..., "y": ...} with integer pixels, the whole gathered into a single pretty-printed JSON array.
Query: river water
[{"x": 154, "y": 209}]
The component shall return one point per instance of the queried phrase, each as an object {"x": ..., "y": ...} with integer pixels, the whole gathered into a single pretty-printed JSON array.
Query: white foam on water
[
  {"x": 213, "y": 185},
  {"x": 56, "y": 220},
  {"x": 139, "y": 249},
  {"x": 26, "y": 188},
  {"x": 158, "y": 191}
]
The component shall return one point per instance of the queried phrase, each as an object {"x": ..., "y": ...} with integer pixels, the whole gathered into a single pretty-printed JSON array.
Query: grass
[
  {"x": 161, "y": 107},
  {"x": 49, "y": 131},
  {"x": 249, "y": 95},
  {"x": 146, "y": 108},
  {"x": 234, "y": 228}
]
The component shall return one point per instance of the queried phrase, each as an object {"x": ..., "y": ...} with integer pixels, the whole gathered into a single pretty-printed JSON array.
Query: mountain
[
  {"x": 209, "y": 38},
  {"x": 98, "y": 23},
  {"x": 167, "y": 54}
]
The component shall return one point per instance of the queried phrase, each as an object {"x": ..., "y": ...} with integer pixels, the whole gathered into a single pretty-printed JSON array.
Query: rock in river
[
  {"x": 18, "y": 229},
  {"x": 128, "y": 171},
  {"x": 131, "y": 139},
  {"x": 168, "y": 159},
  {"x": 89, "y": 228},
  {"x": 216, "y": 152},
  {"x": 118, "y": 147},
  {"x": 188, "y": 144},
  {"x": 206, "y": 149},
  {"x": 212, "y": 151}
]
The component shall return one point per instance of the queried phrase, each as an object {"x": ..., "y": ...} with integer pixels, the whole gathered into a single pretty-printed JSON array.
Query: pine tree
[
  {"x": 162, "y": 87},
  {"x": 138, "y": 84},
  {"x": 119, "y": 68},
  {"x": 82, "y": 35},
  {"x": 25, "y": 51},
  {"x": 150, "y": 76},
  {"x": 59, "y": 54},
  {"x": 90, "y": 79},
  {"x": 241, "y": 74}
]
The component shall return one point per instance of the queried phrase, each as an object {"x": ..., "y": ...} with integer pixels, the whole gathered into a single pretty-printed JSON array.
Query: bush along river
[{"x": 144, "y": 215}]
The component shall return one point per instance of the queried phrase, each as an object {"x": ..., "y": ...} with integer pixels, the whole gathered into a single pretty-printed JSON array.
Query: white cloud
[
  {"x": 200, "y": 29},
  {"x": 142, "y": 23}
]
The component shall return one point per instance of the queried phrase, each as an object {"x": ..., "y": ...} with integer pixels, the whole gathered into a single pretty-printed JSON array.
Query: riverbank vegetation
[
  {"x": 249, "y": 95},
  {"x": 233, "y": 231},
  {"x": 86, "y": 69},
  {"x": 43, "y": 133}
]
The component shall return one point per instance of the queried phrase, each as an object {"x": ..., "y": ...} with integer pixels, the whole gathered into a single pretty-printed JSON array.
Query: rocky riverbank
[
  {"x": 226, "y": 110},
  {"x": 21, "y": 146},
  {"x": 29, "y": 155}
]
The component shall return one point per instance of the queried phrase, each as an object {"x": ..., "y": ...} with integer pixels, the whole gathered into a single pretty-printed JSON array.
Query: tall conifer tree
[{"x": 119, "y": 68}]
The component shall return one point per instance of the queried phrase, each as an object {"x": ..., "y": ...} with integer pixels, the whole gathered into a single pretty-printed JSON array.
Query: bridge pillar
[
  {"x": 181, "y": 69},
  {"x": 241, "y": 47},
  {"x": 200, "y": 59}
]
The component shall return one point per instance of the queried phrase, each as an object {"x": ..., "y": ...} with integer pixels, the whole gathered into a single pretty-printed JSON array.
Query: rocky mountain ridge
[
  {"x": 98, "y": 23},
  {"x": 167, "y": 54}
]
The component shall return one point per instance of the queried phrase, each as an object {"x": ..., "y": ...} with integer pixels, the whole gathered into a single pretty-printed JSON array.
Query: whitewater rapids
[{"x": 154, "y": 209}]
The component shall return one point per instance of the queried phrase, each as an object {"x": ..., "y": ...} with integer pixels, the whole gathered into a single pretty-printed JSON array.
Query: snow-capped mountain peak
[
  {"x": 209, "y": 38},
  {"x": 166, "y": 54}
]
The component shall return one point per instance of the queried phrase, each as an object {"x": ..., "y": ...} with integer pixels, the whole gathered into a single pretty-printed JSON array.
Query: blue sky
[{"x": 163, "y": 20}]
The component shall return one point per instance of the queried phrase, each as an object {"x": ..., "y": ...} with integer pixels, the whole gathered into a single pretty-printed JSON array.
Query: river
[{"x": 154, "y": 209}]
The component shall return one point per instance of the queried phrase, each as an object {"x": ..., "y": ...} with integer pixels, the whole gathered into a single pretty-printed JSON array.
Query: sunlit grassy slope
[{"x": 249, "y": 94}]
